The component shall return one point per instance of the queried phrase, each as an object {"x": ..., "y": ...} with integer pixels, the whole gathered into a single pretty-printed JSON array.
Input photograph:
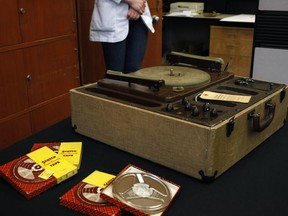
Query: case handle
[{"x": 258, "y": 125}]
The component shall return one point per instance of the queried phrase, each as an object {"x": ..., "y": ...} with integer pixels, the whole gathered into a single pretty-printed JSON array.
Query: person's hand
[
  {"x": 133, "y": 14},
  {"x": 137, "y": 5}
]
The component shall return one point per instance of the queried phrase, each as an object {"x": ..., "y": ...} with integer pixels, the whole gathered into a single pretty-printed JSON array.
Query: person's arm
[
  {"x": 137, "y": 5},
  {"x": 133, "y": 14}
]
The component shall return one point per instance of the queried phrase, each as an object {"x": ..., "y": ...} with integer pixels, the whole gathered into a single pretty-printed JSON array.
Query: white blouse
[{"x": 109, "y": 21}]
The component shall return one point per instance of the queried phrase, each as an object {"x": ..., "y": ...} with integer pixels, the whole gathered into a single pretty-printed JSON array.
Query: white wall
[
  {"x": 271, "y": 65},
  {"x": 278, "y": 5}
]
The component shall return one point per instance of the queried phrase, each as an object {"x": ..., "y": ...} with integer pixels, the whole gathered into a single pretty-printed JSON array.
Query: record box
[
  {"x": 70, "y": 151},
  {"x": 162, "y": 114},
  {"x": 36, "y": 172},
  {"x": 140, "y": 192},
  {"x": 85, "y": 197}
]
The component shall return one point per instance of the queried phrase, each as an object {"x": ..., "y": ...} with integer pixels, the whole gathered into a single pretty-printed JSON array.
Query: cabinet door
[
  {"x": 9, "y": 23},
  {"x": 14, "y": 130},
  {"x": 41, "y": 19},
  {"x": 13, "y": 87},
  {"x": 153, "y": 56},
  {"x": 52, "y": 69},
  {"x": 51, "y": 113}
]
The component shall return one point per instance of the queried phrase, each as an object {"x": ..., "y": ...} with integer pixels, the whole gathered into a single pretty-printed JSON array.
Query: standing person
[{"x": 122, "y": 28}]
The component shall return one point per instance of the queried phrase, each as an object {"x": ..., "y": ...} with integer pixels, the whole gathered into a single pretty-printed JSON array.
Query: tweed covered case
[{"x": 203, "y": 152}]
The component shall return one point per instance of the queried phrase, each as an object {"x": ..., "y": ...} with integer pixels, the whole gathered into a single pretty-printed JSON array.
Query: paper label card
[
  {"x": 46, "y": 174},
  {"x": 99, "y": 179},
  {"x": 49, "y": 160},
  {"x": 208, "y": 95}
]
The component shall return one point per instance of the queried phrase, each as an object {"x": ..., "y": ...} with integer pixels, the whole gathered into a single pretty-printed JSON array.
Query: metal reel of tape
[
  {"x": 26, "y": 170},
  {"x": 90, "y": 194},
  {"x": 143, "y": 191}
]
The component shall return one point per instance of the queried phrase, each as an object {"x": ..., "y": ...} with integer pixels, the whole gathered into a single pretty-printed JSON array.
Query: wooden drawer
[
  {"x": 231, "y": 33},
  {"x": 50, "y": 113},
  {"x": 238, "y": 65},
  {"x": 231, "y": 47},
  {"x": 14, "y": 129},
  {"x": 51, "y": 64},
  {"x": 234, "y": 45},
  {"x": 46, "y": 19}
]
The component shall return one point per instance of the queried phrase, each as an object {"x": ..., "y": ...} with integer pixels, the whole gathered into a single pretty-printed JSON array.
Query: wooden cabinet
[
  {"x": 234, "y": 45},
  {"x": 9, "y": 28},
  {"x": 39, "y": 65},
  {"x": 91, "y": 54},
  {"x": 92, "y": 59}
]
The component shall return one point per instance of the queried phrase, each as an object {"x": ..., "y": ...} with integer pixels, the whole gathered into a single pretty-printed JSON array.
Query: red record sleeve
[
  {"x": 85, "y": 198},
  {"x": 23, "y": 174}
]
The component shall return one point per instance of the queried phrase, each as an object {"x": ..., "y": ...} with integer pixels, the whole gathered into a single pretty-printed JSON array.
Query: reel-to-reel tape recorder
[{"x": 157, "y": 113}]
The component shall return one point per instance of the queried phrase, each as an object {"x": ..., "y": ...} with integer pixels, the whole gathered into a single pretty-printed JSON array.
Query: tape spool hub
[
  {"x": 90, "y": 194},
  {"x": 143, "y": 191}
]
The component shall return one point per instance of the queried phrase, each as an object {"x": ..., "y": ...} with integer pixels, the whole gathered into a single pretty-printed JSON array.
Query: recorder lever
[{"x": 151, "y": 83}]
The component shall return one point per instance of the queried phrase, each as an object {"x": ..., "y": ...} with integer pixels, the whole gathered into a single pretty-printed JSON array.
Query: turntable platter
[
  {"x": 175, "y": 75},
  {"x": 147, "y": 82}
]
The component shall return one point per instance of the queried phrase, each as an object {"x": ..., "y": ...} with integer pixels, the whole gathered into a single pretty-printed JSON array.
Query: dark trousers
[{"x": 126, "y": 56}]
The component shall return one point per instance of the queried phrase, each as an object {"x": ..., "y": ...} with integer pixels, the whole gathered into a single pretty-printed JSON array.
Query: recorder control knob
[
  {"x": 206, "y": 107},
  {"x": 241, "y": 82},
  {"x": 185, "y": 101},
  {"x": 195, "y": 111},
  {"x": 271, "y": 85},
  {"x": 188, "y": 106},
  {"x": 169, "y": 107},
  {"x": 214, "y": 112}
]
